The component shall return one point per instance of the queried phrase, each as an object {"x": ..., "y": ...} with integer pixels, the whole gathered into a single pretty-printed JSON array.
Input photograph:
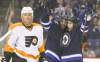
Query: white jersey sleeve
[
  {"x": 11, "y": 39},
  {"x": 41, "y": 41}
]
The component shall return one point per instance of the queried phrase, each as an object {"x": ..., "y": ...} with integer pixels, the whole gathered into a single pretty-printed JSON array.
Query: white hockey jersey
[{"x": 25, "y": 43}]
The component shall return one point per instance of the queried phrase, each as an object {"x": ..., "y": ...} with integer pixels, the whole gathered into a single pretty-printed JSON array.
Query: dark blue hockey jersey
[{"x": 62, "y": 45}]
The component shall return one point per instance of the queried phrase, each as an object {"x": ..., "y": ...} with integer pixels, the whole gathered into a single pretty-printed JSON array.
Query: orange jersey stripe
[
  {"x": 7, "y": 48},
  {"x": 42, "y": 48},
  {"x": 24, "y": 54}
]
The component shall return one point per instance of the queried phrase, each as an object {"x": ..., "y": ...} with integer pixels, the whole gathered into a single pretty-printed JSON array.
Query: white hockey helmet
[{"x": 27, "y": 10}]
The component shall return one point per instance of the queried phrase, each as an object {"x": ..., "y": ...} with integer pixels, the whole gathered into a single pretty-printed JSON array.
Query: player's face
[
  {"x": 27, "y": 18},
  {"x": 70, "y": 25},
  {"x": 63, "y": 23}
]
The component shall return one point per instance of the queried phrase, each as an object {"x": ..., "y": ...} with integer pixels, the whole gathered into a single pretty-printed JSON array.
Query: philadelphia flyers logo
[{"x": 31, "y": 40}]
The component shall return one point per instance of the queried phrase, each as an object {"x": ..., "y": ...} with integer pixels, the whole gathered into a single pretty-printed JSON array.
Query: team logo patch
[
  {"x": 65, "y": 40},
  {"x": 31, "y": 40}
]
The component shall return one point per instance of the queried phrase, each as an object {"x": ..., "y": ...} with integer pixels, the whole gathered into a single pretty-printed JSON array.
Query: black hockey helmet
[
  {"x": 67, "y": 18},
  {"x": 72, "y": 19}
]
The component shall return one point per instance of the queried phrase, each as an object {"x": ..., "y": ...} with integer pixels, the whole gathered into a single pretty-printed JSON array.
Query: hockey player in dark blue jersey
[
  {"x": 53, "y": 50},
  {"x": 71, "y": 47},
  {"x": 64, "y": 41}
]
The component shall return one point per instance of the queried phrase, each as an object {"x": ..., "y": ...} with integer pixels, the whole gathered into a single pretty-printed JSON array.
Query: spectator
[{"x": 59, "y": 11}]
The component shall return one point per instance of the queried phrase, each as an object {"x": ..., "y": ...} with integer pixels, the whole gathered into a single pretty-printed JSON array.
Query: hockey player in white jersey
[{"x": 25, "y": 42}]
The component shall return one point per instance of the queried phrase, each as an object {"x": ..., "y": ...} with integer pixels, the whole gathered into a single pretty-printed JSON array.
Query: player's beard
[{"x": 28, "y": 24}]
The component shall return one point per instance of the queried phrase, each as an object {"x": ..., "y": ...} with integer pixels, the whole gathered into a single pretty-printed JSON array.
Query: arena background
[{"x": 10, "y": 13}]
